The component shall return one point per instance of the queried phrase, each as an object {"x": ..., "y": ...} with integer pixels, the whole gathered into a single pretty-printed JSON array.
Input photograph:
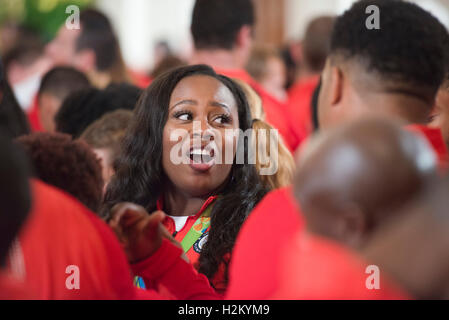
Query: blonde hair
[{"x": 285, "y": 162}]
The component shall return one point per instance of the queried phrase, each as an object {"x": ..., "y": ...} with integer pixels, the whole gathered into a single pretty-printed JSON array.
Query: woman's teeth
[{"x": 202, "y": 155}]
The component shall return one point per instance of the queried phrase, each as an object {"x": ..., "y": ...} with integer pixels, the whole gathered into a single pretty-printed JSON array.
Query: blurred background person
[
  {"x": 315, "y": 48},
  {"x": 266, "y": 66},
  {"x": 67, "y": 164},
  {"x": 56, "y": 85},
  {"x": 93, "y": 49},
  {"x": 84, "y": 107},
  {"x": 105, "y": 137}
]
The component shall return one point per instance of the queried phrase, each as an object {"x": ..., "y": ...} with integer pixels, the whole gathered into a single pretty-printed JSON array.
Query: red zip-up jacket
[
  {"x": 61, "y": 232},
  {"x": 218, "y": 281}
]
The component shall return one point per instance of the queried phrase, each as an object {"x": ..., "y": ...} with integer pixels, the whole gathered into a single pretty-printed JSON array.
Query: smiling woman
[{"x": 215, "y": 196}]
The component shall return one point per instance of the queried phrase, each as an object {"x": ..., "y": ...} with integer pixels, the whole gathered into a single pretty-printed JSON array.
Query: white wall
[{"x": 141, "y": 23}]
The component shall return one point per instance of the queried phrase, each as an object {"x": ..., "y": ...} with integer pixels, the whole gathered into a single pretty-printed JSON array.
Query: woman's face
[{"x": 201, "y": 108}]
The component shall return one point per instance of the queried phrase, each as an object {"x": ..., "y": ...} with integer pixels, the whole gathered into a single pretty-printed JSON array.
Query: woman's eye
[
  {"x": 222, "y": 119},
  {"x": 184, "y": 116}
]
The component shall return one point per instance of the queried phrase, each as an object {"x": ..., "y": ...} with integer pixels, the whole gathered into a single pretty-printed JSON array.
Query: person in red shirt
[
  {"x": 315, "y": 268},
  {"x": 315, "y": 49},
  {"x": 349, "y": 190},
  {"x": 179, "y": 158},
  {"x": 440, "y": 115},
  {"x": 413, "y": 246},
  {"x": 65, "y": 252},
  {"x": 222, "y": 32},
  {"x": 353, "y": 51},
  {"x": 56, "y": 85}
]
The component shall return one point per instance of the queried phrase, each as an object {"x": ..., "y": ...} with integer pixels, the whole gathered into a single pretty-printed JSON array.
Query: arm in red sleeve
[{"x": 166, "y": 267}]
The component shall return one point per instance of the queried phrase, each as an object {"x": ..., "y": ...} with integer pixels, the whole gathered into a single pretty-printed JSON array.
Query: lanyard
[{"x": 197, "y": 230}]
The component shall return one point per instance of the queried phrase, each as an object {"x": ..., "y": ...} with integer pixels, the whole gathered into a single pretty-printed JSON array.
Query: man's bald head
[{"x": 350, "y": 178}]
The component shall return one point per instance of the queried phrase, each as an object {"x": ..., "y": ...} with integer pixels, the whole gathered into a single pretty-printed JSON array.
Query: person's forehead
[{"x": 202, "y": 86}]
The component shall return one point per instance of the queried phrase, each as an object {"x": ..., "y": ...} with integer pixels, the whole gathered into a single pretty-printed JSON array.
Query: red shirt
[
  {"x": 275, "y": 110},
  {"x": 194, "y": 252},
  {"x": 255, "y": 258},
  {"x": 33, "y": 116},
  {"x": 11, "y": 289},
  {"x": 299, "y": 106},
  {"x": 315, "y": 268},
  {"x": 436, "y": 141},
  {"x": 61, "y": 232}
]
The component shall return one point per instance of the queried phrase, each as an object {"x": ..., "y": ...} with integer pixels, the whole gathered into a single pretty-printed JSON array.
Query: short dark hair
[
  {"x": 62, "y": 81},
  {"x": 317, "y": 42},
  {"x": 215, "y": 23},
  {"x": 409, "y": 47},
  {"x": 82, "y": 108},
  {"x": 67, "y": 164},
  {"x": 15, "y": 194},
  {"x": 108, "y": 132}
]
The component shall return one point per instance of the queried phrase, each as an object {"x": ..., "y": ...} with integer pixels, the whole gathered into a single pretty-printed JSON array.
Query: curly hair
[
  {"x": 67, "y": 164},
  {"x": 408, "y": 49},
  {"x": 139, "y": 174}
]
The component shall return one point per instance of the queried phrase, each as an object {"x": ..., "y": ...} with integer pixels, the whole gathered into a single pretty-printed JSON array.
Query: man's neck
[{"x": 218, "y": 58}]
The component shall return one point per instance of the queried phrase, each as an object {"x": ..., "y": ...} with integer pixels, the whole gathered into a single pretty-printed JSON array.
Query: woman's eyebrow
[
  {"x": 219, "y": 105},
  {"x": 193, "y": 102}
]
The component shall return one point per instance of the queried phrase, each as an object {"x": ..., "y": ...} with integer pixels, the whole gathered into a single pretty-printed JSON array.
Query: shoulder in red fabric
[
  {"x": 314, "y": 268},
  {"x": 254, "y": 264}
]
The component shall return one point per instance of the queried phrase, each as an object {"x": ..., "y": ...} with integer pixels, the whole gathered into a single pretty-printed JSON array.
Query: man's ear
[
  {"x": 85, "y": 60},
  {"x": 245, "y": 37},
  {"x": 336, "y": 85}
]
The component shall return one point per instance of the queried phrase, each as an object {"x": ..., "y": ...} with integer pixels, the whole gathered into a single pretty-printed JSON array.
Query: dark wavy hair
[{"x": 139, "y": 174}]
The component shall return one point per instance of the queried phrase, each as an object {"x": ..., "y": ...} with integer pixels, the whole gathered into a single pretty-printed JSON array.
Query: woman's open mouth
[{"x": 202, "y": 159}]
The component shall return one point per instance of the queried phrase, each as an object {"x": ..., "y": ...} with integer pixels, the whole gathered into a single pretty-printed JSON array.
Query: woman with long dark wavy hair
[{"x": 205, "y": 200}]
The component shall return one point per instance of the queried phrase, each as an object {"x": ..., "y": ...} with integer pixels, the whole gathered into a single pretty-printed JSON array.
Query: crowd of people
[{"x": 333, "y": 184}]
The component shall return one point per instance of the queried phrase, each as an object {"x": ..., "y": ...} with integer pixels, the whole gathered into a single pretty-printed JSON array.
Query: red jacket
[
  {"x": 436, "y": 141},
  {"x": 61, "y": 232},
  {"x": 300, "y": 106},
  {"x": 275, "y": 110},
  {"x": 315, "y": 268},
  {"x": 218, "y": 281},
  {"x": 255, "y": 258}
]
